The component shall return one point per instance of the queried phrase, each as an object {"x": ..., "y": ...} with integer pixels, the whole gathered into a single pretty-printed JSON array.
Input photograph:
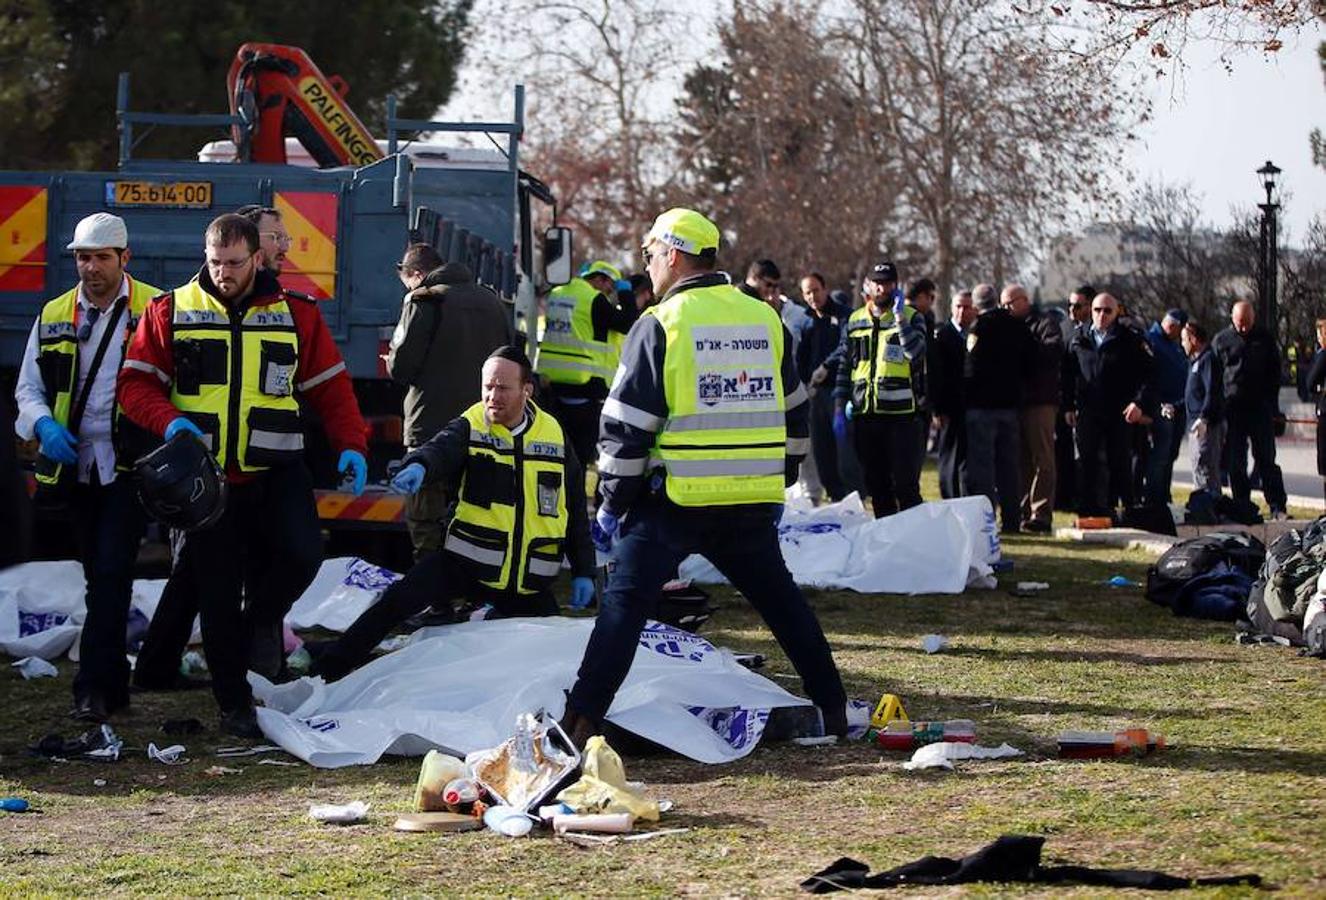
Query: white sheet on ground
[
  {"x": 935, "y": 548},
  {"x": 459, "y": 688}
]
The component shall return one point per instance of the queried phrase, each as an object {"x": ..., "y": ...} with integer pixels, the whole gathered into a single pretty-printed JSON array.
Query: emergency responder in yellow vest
[
  {"x": 66, "y": 398},
  {"x": 229, "y": 356},
  {"x": 520, "y": 507},
  {"x": 884, "y": 347},
  {"x": 585, "y": 322},
  {"x": 704, "y": 428}
]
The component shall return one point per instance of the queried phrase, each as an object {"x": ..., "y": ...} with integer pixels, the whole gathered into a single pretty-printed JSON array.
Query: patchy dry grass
[{"x": 1240, "y": 789}]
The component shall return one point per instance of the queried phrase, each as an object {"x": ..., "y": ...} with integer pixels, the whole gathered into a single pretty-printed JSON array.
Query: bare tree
[{"x": 994, "y": 131}]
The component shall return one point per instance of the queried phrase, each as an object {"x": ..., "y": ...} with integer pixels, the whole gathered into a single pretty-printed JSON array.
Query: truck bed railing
[{"x": 127, "y": 119}]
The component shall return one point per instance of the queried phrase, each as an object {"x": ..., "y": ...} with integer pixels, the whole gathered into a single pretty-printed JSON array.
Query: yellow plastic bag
[
  {"x": 438, "y": 769},
  {"x": 603, "y": 788}
]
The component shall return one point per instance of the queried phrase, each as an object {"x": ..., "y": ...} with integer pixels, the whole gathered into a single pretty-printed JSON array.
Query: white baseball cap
[{"x": 98, "y": 231}]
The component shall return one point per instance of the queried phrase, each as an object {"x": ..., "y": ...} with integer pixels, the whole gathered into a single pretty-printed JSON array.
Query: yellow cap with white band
[
  {"x": 684, "y": 229},
  {"x": 601, "y": 267}
]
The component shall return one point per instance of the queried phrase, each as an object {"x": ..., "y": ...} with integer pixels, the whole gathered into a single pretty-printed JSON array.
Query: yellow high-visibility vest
[
  {"x": 568, "y": 353},
  {"x": 724, "y": 440},
  {"x": 57, "y": 357},
  {"x": 882, "y": 375},
  {"x": 235, "y": 379},
  {"x": 511, "y": 515}
]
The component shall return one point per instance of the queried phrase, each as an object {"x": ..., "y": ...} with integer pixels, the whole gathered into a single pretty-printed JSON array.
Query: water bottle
[
  {"x": 1107, "y": 744},
  {"x": 459, "y": 792},
  {"x": 902, "y": 735},
  {"x": 13, "y": 804}
]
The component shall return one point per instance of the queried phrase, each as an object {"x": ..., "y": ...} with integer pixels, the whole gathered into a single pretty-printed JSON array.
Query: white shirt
[{"x": 94, "y": 434}]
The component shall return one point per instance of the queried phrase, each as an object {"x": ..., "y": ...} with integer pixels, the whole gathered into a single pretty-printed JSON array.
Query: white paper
[
  {"x": 35, "y": 667},
  {"x": 943, "y": 754},
  {"x": 339, "y": 813}
]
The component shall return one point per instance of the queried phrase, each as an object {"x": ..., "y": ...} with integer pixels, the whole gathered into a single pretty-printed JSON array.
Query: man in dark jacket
[
  {"x": 1203, "y": 404},
  {"x": 999, "y": 356},
  {"x": 1107, "y": 388},
  {"x": 448, "y": 326},
  {"x": 520, "y": 507},
  {"x": 950, "y": 354},
  {"x": 1251, "y": 362},
  {"x": 1040, "y": 408},
  {"x": 817, "y": 366},
  {"x": 1171, "y": 382}
]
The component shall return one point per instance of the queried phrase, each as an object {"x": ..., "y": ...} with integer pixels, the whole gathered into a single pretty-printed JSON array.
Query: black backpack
[{"x": 1187, "y": 559}]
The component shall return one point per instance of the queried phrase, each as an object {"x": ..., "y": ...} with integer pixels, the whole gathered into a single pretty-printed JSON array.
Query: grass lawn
[{"x": 1241, "y": 788}]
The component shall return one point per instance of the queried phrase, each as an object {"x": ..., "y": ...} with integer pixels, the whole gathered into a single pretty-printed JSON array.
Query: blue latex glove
[
  {"x": 58, "y": 444},
  {"x": 899, "y": 303},
  {"x": 849, "y": 410},
  {"x": 603, "y": 530},
  {"x": 353, "y": 465},
  {"x": 840, "y": 425},
  {"x": 409, "y": 479},
  {"x": 582, "y": 592},
  {"x": 181, "y": 423}
]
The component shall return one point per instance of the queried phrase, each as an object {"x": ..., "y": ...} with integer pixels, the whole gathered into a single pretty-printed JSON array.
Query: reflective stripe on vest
[
  {"x": 568, "y": 353},
  {"x": 724, "y": 440},
  {"x": 236, "y": 379},
  {"x": 882, "y": 376},
  {"x": 57, "y": 357},
  {"x": 512, "y": 495}
]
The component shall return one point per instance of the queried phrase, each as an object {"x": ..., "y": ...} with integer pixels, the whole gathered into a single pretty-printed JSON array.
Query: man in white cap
[{"x": 66, "y": 400}]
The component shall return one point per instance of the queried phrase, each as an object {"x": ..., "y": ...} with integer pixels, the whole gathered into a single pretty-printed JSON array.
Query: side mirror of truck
[{"x": 557, "y": 255}]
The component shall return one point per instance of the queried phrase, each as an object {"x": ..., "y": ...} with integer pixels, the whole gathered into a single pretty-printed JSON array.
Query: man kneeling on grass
[{"x": 520, "y": 507}]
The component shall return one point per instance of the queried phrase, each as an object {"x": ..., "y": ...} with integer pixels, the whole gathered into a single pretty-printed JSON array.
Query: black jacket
[
  {"x": 448, "y": 326},
  {"x": 1102, "y": 381},
  {"x": 445, "y": 456},
  {"x": 1000, "y": 356},
  {"x": 1043, "y": 381},
  {"x": 1252, "y": 367},
  {"x": 950, "y": 355},
  {"x": 820, "y": 342}
]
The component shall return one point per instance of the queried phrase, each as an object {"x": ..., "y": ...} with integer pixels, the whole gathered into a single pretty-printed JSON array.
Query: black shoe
[
  {"x": 241, "y": 722},
  {"x": 835, "y": 720},
  {"x": 1035, "y": 527},
  {"x": 579, "y": 728},
  {"x": 90, "y": 708}
]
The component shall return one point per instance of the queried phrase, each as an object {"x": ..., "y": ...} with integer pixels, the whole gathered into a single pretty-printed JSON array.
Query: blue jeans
[{"x": 742, "y": 542}]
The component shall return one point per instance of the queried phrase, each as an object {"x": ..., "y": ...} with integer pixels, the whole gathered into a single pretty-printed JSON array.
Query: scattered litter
[
  {"x": 339, "y": 814},
  {"x": 438, "y": 770},
  {"x": 1247, "y": 638},
  {"x": 35, "y": 667},
  {"x": 101, "y": 744},
  {"x": 13, "y": 804},
  {"x": 601, "y": 840},
  {"x": 546, "y": 813},
  {"x": 607, "y": 823},
  {"x": 942, "y": 755},
  {"x": 393, "y": 643},
  {"x": 99, "y": 782},
  {"x": 1033, "y": 586},
  {"x": 232, "y": 752},
  {"x": 193, "y": 664},
  {"x": 1102, "y": 744},
  {"x": 221, "y": 770},
  {"x": 277, "y": 762},
  {"x": 1122, "y": 581},
  {"x": 904, "y": 735},
  {"x": 528, "y": 766},
  {"x": 180, "y": 727},
  {"x": 508, "y": 821},
  {"x": 750, "y": 660},
  {"x": 437, "y": 821},
  {"x": 171, "y": 756},
  {"x": 299, "y": 662},
  {"x": 1003, "y": 565},
  {"x": 603, "y": 787},
  {"x": 933, "y": 643},
  {"x": 824, "y": 740}
]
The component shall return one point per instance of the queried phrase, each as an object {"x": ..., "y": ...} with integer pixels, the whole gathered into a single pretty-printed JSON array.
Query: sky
[
  {"x": 1211, "y": 127},
  {"x": 1214, "y": 129}
]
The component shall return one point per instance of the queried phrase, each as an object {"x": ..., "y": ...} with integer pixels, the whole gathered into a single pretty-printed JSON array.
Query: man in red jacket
[{"x": 224, "y": 357}]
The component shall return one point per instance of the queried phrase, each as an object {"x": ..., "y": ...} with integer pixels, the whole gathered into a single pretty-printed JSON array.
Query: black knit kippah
[{"x": 514, "y": 354}]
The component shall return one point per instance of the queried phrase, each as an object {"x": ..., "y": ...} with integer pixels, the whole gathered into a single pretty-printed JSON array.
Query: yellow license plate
[{"x": 186, "y": 194}]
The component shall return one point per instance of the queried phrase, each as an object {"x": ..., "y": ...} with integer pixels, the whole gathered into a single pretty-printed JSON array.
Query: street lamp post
[{"x": 1268, "y": 261}]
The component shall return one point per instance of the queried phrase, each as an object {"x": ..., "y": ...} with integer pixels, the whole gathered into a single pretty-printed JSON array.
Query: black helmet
[{"x": 180, "y": 483}]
